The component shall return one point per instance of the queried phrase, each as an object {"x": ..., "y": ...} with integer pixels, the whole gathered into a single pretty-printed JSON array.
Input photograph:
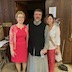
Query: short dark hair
[
  {"x": 51, "y": 15},
  {"x": 39, "y": 10}
]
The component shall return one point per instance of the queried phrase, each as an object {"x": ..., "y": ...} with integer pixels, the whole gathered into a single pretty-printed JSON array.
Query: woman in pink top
[{"x": 19, "y": 42}]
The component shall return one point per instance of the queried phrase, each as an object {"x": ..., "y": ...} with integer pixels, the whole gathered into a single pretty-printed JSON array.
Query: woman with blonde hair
[{"x": 19, "y": 42}]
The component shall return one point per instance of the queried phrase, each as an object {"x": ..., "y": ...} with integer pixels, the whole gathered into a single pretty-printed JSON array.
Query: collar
[{"x": 37, "y": 23}]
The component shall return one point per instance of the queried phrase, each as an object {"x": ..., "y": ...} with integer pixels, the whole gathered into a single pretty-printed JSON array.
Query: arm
[
  {"x": 27, "y": 35},
  {"x": 58, "y": 40},
  {"x": 11, "y": 38},
  {"x": 46, "y": 34},
  {"x": 11, "y": 35},
  {"x": 46, "y": 45}
]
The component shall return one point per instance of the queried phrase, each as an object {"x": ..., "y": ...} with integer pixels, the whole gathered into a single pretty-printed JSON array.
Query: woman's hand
[
  {"x": 13, "y": 53},
  {"x": 57, "y": 51}
]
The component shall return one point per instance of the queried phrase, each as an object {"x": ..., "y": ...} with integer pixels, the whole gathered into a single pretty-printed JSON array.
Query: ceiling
[{"x": 31, "y": 5}]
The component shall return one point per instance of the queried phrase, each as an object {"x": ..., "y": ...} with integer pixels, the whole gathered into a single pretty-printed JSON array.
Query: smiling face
[
  {"x": 50, "y": 20},
  {"x": 37, "y": 16},
  {"x": 20, "y": 18}
]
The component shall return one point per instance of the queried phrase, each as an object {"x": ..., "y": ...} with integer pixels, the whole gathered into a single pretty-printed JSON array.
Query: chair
[
  {"x": 3, "y": 57},
  {"x": 1, "y": 33},
  {"x": 6, "y": 27}
]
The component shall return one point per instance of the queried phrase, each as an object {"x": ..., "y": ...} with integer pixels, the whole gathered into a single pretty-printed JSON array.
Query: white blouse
[{"x": 55, "y": 36}]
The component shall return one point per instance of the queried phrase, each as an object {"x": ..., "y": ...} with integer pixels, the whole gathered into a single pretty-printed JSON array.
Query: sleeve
[
  {"x": 26, "y": 29},
  {"x": 46, "y": 34},
  {"x": 27, "y": 37},
  {"x": 57, "y": 36},
  {"x": 11, "y": 35}
]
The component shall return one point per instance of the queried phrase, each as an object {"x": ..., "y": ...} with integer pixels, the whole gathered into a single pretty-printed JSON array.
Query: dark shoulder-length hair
[{"x": 45, "y": 20}]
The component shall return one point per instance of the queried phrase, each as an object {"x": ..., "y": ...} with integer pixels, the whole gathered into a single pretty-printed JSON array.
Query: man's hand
[{"x": 44, "y": 51}]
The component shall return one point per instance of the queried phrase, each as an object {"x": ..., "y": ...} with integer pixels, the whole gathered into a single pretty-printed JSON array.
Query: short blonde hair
[{"x": 19, "y": 12}]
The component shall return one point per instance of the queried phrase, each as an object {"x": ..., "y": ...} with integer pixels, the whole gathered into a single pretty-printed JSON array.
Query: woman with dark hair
[{"x": 54, "y": 41}]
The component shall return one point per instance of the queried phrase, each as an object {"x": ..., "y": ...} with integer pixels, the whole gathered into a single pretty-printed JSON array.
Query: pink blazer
[{"x": 12, "y": 35}]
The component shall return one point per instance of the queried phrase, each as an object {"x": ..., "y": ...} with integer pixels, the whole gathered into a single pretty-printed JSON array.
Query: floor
[{"x": 10, "y": 67}]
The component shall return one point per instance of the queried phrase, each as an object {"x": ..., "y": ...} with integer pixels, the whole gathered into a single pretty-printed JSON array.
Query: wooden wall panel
[
  {"x": 4, "y": 9},
  {"x": 22, "y": 7},
  {"x": 64, "y": 12},
  {"x": 8, "y": 10},
  {"x": 0, "y": 13}
]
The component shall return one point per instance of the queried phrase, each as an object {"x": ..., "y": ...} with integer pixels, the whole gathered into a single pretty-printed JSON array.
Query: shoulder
[
  {"x": 46, "y": 27},
  {"x": 56, "y": 27},
  {"x": 30, "y": 24},
  {"x": 26, "y": 27},
  {"x": 43, "y": 24},
  {"x": 13, "y": 28}
]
